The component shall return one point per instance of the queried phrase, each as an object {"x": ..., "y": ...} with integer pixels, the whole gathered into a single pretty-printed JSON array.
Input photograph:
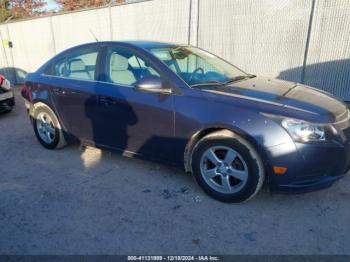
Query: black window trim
[
  {"x": 137, "y": 53},
  {"x": 50, "y": 71}
]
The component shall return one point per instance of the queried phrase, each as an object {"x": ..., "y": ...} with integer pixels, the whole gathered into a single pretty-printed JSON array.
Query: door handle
[
  {"x": 106, "y": 100},
  {"x": 59, "y": 91}
]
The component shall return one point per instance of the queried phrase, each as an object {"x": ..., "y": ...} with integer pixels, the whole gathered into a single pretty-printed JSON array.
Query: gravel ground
[{"x": 87, "y": 201}]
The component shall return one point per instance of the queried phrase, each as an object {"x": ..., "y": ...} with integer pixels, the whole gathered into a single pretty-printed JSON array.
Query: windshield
[{"x": 198, "y": 67}]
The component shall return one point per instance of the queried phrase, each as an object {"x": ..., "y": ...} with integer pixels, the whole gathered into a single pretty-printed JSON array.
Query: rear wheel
[
  {"x": 47, "y": 128},
  {"x": 227, "y": 167}
]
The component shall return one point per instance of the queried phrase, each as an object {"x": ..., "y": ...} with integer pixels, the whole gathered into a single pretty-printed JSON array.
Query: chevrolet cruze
[{"x": 185, "y": 106}]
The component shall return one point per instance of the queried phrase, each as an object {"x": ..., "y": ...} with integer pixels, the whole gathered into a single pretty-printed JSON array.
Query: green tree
[
  {"x": 16, "y": 9},
  {"x": 71, "y": 5},
  {"x": 4, "y": 10}
]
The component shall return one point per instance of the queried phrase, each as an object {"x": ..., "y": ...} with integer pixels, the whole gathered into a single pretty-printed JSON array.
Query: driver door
[{"x": 127, "y": 119}]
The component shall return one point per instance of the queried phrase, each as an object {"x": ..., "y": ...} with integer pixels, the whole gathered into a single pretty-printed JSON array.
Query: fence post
[
  {"x": 10, "y": 49},
  {"x": 4, "y": 51},
  {"x": 309, "y": 31},
  {"x": 110, "y": 22},
  {"x": 53, "y": 36},
  {"x": 193, "y": 23}
]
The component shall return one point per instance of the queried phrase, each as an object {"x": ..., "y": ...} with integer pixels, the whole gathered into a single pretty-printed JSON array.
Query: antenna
[{"x": 93, "y": 35}]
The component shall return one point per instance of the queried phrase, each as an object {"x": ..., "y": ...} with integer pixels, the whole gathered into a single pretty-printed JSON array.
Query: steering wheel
[{"x": 195, "y": 72}]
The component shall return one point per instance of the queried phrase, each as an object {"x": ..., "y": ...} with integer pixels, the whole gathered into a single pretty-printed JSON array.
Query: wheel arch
[
  {"x": 61, "y": 131},
  {"x": 41, "y": 103},
  {"x": 198, "y": 135}
]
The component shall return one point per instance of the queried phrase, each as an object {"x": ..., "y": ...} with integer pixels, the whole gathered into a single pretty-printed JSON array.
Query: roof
[
  {"x": 150, "y": 44},
  {"x": 138, "y": 43}
]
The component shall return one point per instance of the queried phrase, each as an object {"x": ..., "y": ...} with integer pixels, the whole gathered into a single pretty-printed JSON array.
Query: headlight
[
  {"x": 305, "y": 132},
  {"x": 302, "y": 131}
]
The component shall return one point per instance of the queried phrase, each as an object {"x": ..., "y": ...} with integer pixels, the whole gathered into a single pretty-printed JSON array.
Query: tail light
[
  {"x": 26, "y": 92},
  {"x": 2, "y": 78},
  {"x": 4, "y": 83}
]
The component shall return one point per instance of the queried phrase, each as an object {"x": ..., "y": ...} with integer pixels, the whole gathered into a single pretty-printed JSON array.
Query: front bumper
[
  {"x": 307, "y": 185},
  {"x": 7, "y": 101},
  {"x": 309, "y": 166}
]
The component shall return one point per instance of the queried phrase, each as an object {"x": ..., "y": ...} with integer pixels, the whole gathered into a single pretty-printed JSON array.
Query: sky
[{"x": 51, "y": 4}]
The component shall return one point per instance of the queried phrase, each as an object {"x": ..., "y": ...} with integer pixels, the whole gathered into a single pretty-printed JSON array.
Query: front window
[
  {"x": 196, "y": 66},
  {"x": 126, "y": 68}
]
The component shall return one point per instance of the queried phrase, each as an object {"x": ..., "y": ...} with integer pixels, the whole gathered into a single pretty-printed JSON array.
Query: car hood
[{"x": 285, "y": 94}]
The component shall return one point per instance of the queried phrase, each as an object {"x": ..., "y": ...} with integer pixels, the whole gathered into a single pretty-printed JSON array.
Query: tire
[
  {"x": 227, "y": 167},
  {"x": 7, "y": 111},
  {"x": 56, "y": 139}
]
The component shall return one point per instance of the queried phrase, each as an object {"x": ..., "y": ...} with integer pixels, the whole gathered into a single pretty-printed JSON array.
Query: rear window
[{"x": 79, "y": 64}]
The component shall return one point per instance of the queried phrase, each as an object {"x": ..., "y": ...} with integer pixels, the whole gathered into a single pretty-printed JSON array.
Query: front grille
[{"x": 343, "y": 125}]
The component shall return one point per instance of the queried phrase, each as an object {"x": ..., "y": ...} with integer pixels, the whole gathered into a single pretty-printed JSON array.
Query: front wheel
[{"x": 227, "y": 167}]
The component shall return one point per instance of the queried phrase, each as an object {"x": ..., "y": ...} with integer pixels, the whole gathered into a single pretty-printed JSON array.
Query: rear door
[{"x": 73, "y": 89}]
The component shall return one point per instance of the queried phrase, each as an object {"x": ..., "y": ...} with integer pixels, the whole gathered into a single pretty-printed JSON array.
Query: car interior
[
  {"x": 189, "y": 67},
  {"x": 78, "y": 69},
  {"x": 80, "y": 66},
  {"x": 126, "y": 68},
  {"x": 119, "y": 71}
]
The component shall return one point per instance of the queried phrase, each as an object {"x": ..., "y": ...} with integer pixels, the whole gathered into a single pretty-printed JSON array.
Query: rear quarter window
[{"x": 79, "y": 64}]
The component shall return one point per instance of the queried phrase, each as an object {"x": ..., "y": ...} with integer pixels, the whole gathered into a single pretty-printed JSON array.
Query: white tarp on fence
[
  {"x": 32, "y": 43},
  {"x": 261, "y": 37},
  {"x": 288, "y": 39},
  {"x": 160, "y": 20},
  {"x": 80, "y": 27},
  {"x": 328, "y": 61}
]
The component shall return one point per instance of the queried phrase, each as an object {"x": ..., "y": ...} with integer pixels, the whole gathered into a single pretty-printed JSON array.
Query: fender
[{"x": 209, "y": 129}]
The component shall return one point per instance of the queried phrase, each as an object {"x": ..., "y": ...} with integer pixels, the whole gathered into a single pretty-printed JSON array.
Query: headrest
[
  {"x": 119, "y": 63},
  {"x": 77, "y": 65}
]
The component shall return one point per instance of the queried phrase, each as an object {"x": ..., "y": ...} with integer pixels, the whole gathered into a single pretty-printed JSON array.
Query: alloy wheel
[
  {"x": 224, "y": 169},
  {"x": 45, "y": 127}
]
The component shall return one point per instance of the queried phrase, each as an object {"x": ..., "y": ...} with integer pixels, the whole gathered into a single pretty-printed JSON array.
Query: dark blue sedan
[{"x": 184, "y": 106}]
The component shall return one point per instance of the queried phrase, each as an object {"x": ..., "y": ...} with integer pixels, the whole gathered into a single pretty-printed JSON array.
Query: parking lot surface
[{"x": 88, "y": 201}]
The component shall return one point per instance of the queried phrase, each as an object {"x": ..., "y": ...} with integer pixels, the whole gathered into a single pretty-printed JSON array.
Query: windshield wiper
[
  {"x": 234, "y": 79},
  {"x": 218, "y": 83},
  {"x": 208, "y": 83}
]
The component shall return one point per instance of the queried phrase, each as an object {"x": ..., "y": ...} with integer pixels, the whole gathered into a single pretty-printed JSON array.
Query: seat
[
  {"x": 119, "y": 70},
  {"x": 77, "y": 69}
]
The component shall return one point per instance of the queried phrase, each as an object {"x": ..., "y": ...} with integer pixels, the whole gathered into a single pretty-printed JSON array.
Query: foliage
[
  {"x": 4, "y": 10},
  {"x": 15, "y": 9},
  {"x": 71, "y": 5}
]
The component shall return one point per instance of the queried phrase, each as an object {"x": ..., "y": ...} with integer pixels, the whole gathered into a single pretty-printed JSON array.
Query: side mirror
[{"x": 151, "y": 84}]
